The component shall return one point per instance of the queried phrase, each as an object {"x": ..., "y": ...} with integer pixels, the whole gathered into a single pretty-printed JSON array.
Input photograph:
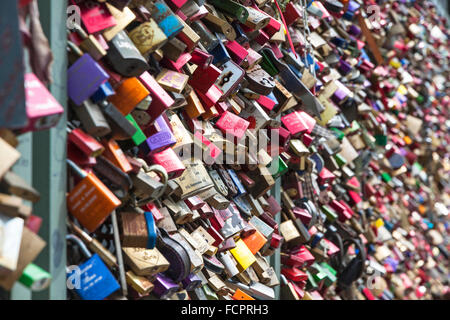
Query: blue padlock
[
  {"x": 166, "y": 20},
  {"x": 103, "y": 92},
  {"x": 239, "y": 186},
  {"x": 220, "y": 54},
  {"x": 93, "y": 280}
]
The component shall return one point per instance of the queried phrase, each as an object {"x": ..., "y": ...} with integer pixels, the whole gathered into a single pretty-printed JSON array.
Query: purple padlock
[
  {"x": 344, "y": 67},
  {"x": 191, "y": 282},
  {"x": 84, "y": 78},
  {"x": 159, "y": 138},
  {"x": 392, "y": 262},
  {"x": 339, "y": 96},
  {"x": 164, "y": 287},
  {"x": 354, "y": 30}
]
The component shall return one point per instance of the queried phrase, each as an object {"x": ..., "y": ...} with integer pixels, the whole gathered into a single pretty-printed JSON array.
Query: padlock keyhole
[{"x": 225, "y": 78}]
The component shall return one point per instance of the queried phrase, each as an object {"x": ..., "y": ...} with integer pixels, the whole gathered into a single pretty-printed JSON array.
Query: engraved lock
[
  {"x": 172, "y": 81},
  {"x": 84, "y": 77},
  {"x": 159, "y": 138},
  {"x": 91, "y": 202},
  {"x": 232, "y": 125},
  {"x": 124, "y": 57},
  {"x": 145, "y": 262},
  {"x": 97, "y": 282},
  {"x": 148, "y": 37},
  {"x": 170, "y": 161}
]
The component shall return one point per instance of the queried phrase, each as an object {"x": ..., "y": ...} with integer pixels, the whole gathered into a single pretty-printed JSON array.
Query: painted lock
[
  {"x": 91, "y": 202},
  {"x": 92, "y": 279},
  {"x": 43, "y": 111}
]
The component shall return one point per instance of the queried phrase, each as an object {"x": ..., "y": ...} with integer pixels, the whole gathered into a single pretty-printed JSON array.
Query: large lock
[
  {"x": 84, "y": 77},
  {"x": 124, "y": 57},
  {"x": 91, "y": 202},
  {"x": 91, "y": 280}
]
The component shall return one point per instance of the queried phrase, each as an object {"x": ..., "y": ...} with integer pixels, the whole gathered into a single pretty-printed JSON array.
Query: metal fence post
[{"x": 49, "y": 158}]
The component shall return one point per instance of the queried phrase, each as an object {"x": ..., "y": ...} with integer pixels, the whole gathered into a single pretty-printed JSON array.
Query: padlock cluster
[{"x": 206, "y": 138}]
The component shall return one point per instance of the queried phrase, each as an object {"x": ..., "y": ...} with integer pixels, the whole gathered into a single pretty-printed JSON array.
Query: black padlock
[{"x": 124, "y": 57}]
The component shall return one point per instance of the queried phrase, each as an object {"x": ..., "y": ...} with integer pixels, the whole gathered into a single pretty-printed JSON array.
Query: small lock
[{"x": 93, "y": 280}]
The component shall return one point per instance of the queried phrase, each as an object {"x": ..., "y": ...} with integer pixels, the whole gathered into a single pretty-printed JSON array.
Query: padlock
[
  {"x": 95, "y": 16},
  {"x": 233, "y": 9},
  {"x": 79, "y": 89},
  {"x": 102, "y": 202},
  {"x": 124, "y": 57},
  {"x": 123, "y": 16},
  {"x": 89, "y": 44},
  {"x": 15, "y": 185},
  {"x": 129, "y": 95},
  {"x": 92, "y": 119},
  {"x": 87, "y": 144},
  {"x": 43, "y": 111},
  {"x": 207, "y": 39},
  {"x": 95, "y": 246},
  {"x": 166, "y": 20},
  {"x": 121, "y": 128},
  {"x": 12, "y": 228},
  {"x": 148, "y": 37},
  {"x": 161, "y": 101},
  {"x": 91, "y": 280}
]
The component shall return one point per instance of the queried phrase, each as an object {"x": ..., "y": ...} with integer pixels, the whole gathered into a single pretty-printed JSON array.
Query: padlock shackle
[
  {"x": 80, "y": 172},
  {"x": 81, "y": 244},
  {"x": 74, "y": 48}
]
